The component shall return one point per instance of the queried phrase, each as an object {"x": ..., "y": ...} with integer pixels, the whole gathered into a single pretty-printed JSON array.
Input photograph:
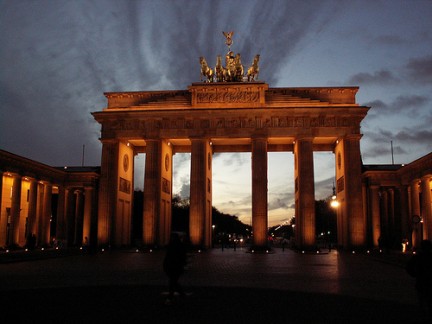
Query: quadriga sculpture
[
  {"x": 253, "y": 70},
  {"x": 206, "y": 71}
]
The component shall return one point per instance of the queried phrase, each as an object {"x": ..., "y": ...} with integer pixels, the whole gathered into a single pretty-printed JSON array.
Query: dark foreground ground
[{"x": 226, "y": 287}]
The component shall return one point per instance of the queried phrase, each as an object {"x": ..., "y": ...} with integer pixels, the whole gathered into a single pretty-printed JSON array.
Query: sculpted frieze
[
  {"x": 231, "y": 122},
  {"x": 225, "y": 96},
  {"x": 123, "y": 124}
]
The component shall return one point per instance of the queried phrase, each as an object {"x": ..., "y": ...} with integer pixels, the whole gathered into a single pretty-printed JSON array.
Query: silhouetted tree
[{"x": 325, "y": 220}]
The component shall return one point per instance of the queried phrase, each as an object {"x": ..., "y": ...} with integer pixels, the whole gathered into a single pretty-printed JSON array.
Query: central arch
[{"x": 228, "y": 117}]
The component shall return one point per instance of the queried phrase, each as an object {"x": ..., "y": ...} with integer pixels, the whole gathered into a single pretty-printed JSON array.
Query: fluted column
[
  {"x": 404, "y": 212},
  {"x": 375, "y": 211},
  {"x": 391, "y": 210},
  {"x": 152, "y": 190},
  {"x": 304, "y": 193},
  {"x": 79, "y": 217},
  {"x": 415, "y": 212},
  {"x": 259, "y": 192},
  {"x": 88, "y": 214},
  {"x": 44, "y": 220},
  {"x": 32, "y": 209},
  {"x": 108, "y": 184},
  {"x": 385, "y": 229},
  {"x": 3, "y": 220},
  {"x": 15, "y": 210},
  {"x": 61, "y": 219},
  {"x": 70, "y": 216},
  {"x": 426, "y": 207},
  {"x": 352, "y": 206},
  {"x": 199, "y": 217}
]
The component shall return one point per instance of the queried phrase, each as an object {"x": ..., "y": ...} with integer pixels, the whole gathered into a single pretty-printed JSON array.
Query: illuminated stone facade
[
  {"x": 228, "y": 117},
  {"x": 28, "y": 192},
  {"x": 397, "y": 200},
  {"x": 392, "y": 202}
]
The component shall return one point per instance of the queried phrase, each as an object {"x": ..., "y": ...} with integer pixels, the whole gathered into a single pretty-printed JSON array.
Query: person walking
[{"x": 173, "y": 265}]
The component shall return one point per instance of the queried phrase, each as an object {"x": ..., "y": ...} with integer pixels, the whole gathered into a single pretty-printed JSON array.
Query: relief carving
[
  {"x": 221, "y": 123},
  {"x": 166, "y": 186},
  {"x": 124, "y": 185},
  {"x": 225, "y": 96},
  {"x": 125, "y": 125}
]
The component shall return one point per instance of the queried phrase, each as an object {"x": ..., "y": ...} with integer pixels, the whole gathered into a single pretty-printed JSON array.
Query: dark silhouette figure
[
  {"x": 173, "y": 265},
  {"x": 420, "y": 267},
  {"x": 31, "y": 241}
]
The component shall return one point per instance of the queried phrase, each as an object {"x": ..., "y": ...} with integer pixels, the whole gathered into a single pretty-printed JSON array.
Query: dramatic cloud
[
  {"x": 58, "y": 57},
  {"x": 407, "y": 141},
  {"x": 407, "y": 104},
  {"x": 414, "y": 101},
  {"x": 393, "y": 40},
  {"x": 381, "y": 77},
  {"x": 420, "y": 69}
]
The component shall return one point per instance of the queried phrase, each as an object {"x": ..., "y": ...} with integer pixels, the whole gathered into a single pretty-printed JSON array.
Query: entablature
[{"x": 224, "y": 95}]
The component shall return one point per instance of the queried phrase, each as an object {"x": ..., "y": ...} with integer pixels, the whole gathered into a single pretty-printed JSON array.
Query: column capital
[
  {"x": 415, "y": 182},
  {"x": 427, "y": 177}
]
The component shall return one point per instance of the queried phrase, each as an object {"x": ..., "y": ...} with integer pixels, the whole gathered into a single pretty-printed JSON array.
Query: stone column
[
  {"x": 391, "y": 214},
  {"x": 45, "y": 220},
  {"x": 385, "y": 228},
  {"x": 15, "y": 210},
  {"x": 415, "y": 212},
  {"x": 305, "y": 194},
  {"x": 405, "y": 223},
  {"x": 152, "y": 191},
  {"x": 375, "y": 211},
  {"x": 108, "y": 184},
  {"x": 61, "y": 219},
  {"x": 200, "y": 194},
  {"x": 426, "y": 207},
  {"x": 3, "y": 220},
  {"x": 353, "y": 207},
  {"x": 165, "y": 216},
  {"x": 70, "y": 216},
  {"x": 88, "y": 214},
  {"x": 32, "y": 211},
  {"x": 79, "y": 217},
  {"x": 259, "y": 192}
]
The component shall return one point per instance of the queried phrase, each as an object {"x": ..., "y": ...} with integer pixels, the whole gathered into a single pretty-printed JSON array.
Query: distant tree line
[
  {"x": 325, "y": 220},
  {"x": 325, "y": 224}
]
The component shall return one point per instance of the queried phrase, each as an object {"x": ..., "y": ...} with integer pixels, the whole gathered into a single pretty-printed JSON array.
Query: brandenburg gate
[
  {"x": 213, "y": 117},
  {"x": 228, "y": 111}
]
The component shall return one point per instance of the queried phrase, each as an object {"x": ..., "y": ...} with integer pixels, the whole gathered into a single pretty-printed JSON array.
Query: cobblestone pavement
[{"x": 126, "y": 286}]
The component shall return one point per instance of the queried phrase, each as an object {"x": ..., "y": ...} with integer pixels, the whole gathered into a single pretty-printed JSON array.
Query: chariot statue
[
  {"x": 253, "y": 70},
  {"x": 233, "y": 71},
  {"x": 206, "y": 71}
]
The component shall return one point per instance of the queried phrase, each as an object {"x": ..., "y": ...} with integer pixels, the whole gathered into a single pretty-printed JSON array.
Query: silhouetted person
[
  {"x": 31, "y": 241},
  {"x": 173, "y": 265},
  {"x": 420, "y": 267},
  {"x": 85, "y": 245}
]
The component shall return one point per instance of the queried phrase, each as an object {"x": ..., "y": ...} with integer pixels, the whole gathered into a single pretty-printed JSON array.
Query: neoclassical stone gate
[{"x": 227, "y": 117}]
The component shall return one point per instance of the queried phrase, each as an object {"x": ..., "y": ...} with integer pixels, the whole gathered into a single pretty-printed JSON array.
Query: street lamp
[{"x": 334, "y": 203}]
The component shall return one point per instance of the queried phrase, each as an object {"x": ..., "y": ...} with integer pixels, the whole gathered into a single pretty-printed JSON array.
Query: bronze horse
[
  {"x": 221, "y": 72},
  {"x": 206, "y": 71},
  {"x": 252, "y": 72}
]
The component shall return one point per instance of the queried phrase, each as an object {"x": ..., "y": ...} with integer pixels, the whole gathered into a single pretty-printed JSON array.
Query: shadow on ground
[{"x": 145, "y": 304}]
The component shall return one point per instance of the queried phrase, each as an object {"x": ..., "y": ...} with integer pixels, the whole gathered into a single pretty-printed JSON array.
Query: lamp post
[
  {"x": 334, "y": 203},
  {"x": 213, "y": 238}
]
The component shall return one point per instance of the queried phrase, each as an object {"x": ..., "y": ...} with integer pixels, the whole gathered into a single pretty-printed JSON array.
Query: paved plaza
[{"x": 128, "y": 286}]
